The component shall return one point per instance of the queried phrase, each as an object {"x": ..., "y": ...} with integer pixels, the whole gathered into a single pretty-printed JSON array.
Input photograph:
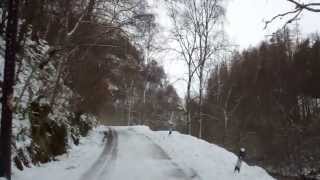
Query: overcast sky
[{"x": 245, "y": 27}]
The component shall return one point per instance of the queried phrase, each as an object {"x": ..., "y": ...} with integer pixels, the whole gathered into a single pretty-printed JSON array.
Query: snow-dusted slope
[{"x": 137, "y": 153}]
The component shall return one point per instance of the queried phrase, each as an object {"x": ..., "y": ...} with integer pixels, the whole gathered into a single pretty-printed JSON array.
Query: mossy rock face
[
  {"x": 50, "y": 144},
  {"x": 58, "y": 139},
  {"x": 49, "y": 138},
  {"x": 39, "y": 117}
]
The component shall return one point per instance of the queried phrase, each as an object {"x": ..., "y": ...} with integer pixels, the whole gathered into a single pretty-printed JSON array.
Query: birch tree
[
  {"x": 209, "y": 31},
  {"x": 184, "y": 33}
]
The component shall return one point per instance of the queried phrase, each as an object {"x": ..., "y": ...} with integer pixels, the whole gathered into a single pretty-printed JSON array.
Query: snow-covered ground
[{"x": 137, "y": 153}]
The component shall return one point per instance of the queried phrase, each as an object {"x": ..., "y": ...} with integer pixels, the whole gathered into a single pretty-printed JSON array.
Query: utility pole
[{"x": 7, "y": 89}]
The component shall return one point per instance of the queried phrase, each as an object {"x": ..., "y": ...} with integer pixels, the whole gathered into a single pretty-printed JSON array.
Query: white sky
[{"x": 245, "y": 27}]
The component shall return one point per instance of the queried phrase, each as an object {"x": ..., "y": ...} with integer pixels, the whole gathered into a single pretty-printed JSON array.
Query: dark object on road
[
  {"x": 241, "y": 155},
  {"x": 106, "y": 134},
  {"x": 170, "y": 131},
  {"x": 171, "y": 127},
  {"x": 75, "y": 139}
]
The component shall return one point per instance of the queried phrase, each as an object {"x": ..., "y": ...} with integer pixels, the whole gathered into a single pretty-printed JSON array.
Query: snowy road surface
[
  {"x": 137, "y": 153},
  {"x": 133, "y": 156}
]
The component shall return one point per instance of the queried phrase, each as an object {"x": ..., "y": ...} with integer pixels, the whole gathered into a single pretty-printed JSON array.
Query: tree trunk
[
  {"x": 144, "y": 103},
  {"x": 7, "y": 89},
  {"x": 130, "y": 102},
  {"x": 226, "y": 119},
  {"x": 188, "y": 103},
  {"x": 227, "y": 115},
  {"x": 200, "y": 100}
]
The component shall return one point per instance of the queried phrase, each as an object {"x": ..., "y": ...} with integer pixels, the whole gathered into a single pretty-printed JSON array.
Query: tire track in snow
[
  {"x": 109, "y": 165},
  {"x": 105, "y": 160}
]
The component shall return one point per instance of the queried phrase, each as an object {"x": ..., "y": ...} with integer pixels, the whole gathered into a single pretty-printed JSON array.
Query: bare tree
[
  {"x": 196, "y": 30},
  {"x": 208, "y": 17},
  {"x": 184, "y": 33}
]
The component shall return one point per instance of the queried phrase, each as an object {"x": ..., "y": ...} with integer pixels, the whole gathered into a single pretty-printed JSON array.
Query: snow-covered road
[
  {"x": 134, "y": 156},
  {"x": 137, "y": 153}
]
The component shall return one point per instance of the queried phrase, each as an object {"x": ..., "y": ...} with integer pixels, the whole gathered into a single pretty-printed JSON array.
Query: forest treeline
[
  {"x": 267, "y": 98},
  {"x": 82, "y": 60}
]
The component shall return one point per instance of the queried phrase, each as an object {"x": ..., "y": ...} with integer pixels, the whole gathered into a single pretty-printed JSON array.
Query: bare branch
[
  {"x": 313, "y": 7},
  {"x": 279, "y": 16},
  {"x": 300, "y": 7}
]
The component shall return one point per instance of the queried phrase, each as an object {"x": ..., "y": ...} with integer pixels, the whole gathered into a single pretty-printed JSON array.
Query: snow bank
[
  {"x": 71, "y": 165},
  {"x": 209, "y": 161}
]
